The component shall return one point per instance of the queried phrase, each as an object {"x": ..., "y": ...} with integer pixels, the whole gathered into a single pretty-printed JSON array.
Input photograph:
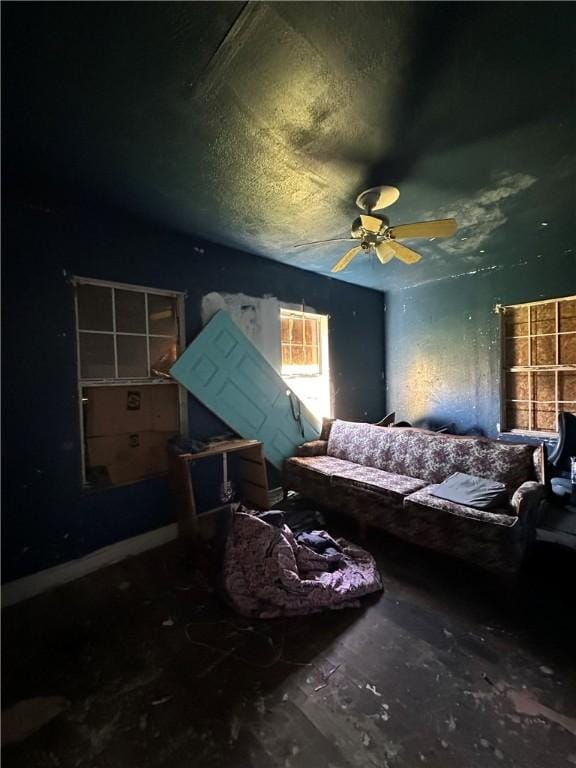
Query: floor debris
[
  {"x": 524, "y": 704},
  {"x": 234, "y": 728},
  {"x": 326, "y": 678},
  {"x": 163, "y": 700},
  {"x": 29, "y": 715},
  {"x": 254, "y": 703}
]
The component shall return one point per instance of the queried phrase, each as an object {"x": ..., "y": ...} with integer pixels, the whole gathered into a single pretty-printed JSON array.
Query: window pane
[
  {"x": 297, "y": 330},
  {"x": 285, "y": 330},
  {"x": 566, "y": 385},
  {"x": 567, "y": 315},
  {"x": 543, "y": 318},
  {"x": 567, "y": 349},
  {"x": 94, "y": 308},
  {"x": 311, "y": 356},
  {"x": 517, "y": 352},
  {"x": 517, "y": 386},
  {"x": 544, "y": 386},
  {"x": 286, "y": 354},
  {"x": 161, "y": 314},
  {"x": 130, "y": 312},
  {"x": 517, "y": 416},
  {"x": 132, "y": 356},
  {"x": 544, "y": 350},
  {"x": 298, "y": 356},
  {"x": 544, "y": 417},
  {"x": 516, "y": 320},
  {"x": 96, "y": 356},
  {"x": 162, "y": 355},
  {"x": 311, "y": 331}
]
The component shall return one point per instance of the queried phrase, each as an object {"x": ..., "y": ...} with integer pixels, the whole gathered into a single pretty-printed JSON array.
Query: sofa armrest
[
  {"x": 527, "y": 503},
  {"x": 312, "y": 448},
  {"x": 526, "y": 500}
]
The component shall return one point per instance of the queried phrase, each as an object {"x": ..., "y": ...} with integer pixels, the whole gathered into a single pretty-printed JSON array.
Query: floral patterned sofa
[{"x": 382, "y": 476}]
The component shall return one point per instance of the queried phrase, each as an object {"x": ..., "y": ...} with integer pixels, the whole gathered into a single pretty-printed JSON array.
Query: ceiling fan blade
[
  {"x": 402, "y": 252},
  {"x": 332, "y": 240},
  {"x": 371, "y": 224},
  {"x": 384, "y": 252},
  {"x": 346, "y": 259},
  {"x": 436, "y": 228}
]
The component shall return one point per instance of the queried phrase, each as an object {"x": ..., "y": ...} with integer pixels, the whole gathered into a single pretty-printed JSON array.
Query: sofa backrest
[{"x": 430, "y": 456}]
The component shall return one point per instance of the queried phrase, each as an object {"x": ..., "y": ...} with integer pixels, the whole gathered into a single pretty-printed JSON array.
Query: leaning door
[{"x": 225, "y": 371}]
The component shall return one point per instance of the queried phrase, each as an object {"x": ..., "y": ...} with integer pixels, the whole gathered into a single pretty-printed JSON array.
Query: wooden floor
[{"x": 142, "y": 665}]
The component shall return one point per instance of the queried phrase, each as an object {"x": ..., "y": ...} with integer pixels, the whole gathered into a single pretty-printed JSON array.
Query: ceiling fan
[{"x": 377, "y": 236}]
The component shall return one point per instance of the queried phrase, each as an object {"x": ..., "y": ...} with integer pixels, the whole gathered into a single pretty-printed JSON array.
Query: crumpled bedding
[{"x": 267, "y": 573}]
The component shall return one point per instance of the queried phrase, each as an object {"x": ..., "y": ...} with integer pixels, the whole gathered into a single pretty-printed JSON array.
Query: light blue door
[{"x": 225, "y": 371}]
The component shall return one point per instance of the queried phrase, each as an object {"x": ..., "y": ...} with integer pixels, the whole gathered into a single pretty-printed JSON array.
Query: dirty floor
[{"x": 141, "y": 665}]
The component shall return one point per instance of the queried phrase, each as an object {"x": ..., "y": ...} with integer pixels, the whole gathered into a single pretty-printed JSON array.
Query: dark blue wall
[
  {"x": 443, "y": 345},
  {"x": 46, "y": 517}
]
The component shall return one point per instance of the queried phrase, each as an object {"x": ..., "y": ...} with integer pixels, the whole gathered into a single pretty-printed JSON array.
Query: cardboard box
[
  {"x": 165, "y": 410},
  {"x": 130, "y": 409},
  {"x": 131, "y": 456}
]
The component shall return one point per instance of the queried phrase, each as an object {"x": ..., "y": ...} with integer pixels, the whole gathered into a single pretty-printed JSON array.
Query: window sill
[
  {"x": 125, "y": 382},
  {"x": 301, "y": 375},
  {"x": 528, "y": 433}
]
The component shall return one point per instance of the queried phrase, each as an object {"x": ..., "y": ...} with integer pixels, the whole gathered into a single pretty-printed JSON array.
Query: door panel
[{"x": 225, "y": 371}]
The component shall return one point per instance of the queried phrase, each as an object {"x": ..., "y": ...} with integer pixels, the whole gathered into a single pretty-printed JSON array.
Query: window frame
[
  {"x": 180, "y": 297},
  {"x": 555, "y": 368},
  {"x": 321, "y": 340},
  {"x": 324, "y": 373}
]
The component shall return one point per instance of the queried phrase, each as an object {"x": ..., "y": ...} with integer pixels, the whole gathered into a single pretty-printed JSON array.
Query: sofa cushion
[
  {"x": 471, "y": 491},
  {"x": 370, "y": 479},
  {"x": 430, "y": 456},
  {"x": 423, "y": 499},
  {"x": 324, "y": 465}
]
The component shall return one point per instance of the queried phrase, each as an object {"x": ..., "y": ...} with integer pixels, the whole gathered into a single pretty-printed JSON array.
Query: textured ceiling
[{"x": 257, "y": 125}]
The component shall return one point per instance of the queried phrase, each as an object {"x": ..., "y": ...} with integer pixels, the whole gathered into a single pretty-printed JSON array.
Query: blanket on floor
[{"x": 268, "y": 573}]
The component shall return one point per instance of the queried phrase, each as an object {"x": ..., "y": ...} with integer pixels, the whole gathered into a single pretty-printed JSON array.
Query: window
[
  {"x": 539, "y": 364},
  {"x": 300, "y": 343},
  {"x": 127, "y": 339},
  {"x": 304, "y": 347}
]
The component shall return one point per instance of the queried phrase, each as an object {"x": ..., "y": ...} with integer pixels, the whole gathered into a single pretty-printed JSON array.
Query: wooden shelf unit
[{"x": 253, "y": 480}]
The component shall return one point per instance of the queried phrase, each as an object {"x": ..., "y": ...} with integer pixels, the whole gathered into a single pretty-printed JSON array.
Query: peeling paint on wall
[{"x": 258, "y": 318}]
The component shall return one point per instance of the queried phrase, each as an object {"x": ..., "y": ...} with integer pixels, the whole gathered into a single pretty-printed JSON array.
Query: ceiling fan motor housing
[{"x": 360, "y": 232}]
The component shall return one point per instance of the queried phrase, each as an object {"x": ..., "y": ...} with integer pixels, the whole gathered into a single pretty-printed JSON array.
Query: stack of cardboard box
[{"x": 127, "y": 429}]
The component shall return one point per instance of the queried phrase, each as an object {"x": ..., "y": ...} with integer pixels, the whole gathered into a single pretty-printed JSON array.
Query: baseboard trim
[{"x": 28, "y": 586}]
